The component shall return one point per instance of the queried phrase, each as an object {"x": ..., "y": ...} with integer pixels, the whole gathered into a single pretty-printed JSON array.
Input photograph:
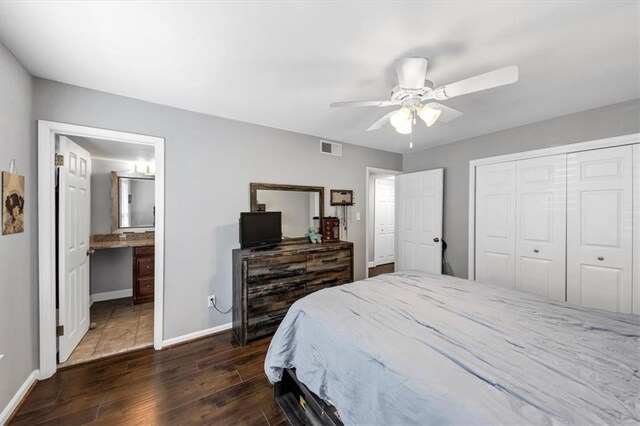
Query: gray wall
[
  {"x": 612, "y": 120},
  {"x": 111, "y": 269},
  {"x": 210, "y": 162},
  {"x": 18, "y": 252}
]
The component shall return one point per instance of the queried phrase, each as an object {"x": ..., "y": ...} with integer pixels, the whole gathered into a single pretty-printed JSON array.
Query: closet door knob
[
  {"x": 536, "y": 250},
  {"x": 436, "y": 239},
  {"x": 600, "y": 258}
]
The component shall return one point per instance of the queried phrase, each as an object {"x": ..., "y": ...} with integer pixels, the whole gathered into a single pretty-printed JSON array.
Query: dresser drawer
[
  {"x": 336, "y": 259},
  {"x": 145, "y": 266},
  {"x": 261, "y": 270},
  {"x": 264, "y": 324},
  {"x": 145, "y": 286},
  {"x": 317, "y": 280}
]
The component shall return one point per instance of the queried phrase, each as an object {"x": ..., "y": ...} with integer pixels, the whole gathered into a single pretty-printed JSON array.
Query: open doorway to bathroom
[
  {"x": 91, "y": 305},
  {"x": 105, "y": 209},
  {"x": 381, "y": 207}
]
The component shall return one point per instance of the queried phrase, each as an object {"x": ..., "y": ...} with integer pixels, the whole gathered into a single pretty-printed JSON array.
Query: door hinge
[
  {"x": 60, "y": 330},
  {"x": 59, "y": 160}
]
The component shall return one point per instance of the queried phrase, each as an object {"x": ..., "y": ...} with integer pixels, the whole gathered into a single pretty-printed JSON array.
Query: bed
[{"x": 418, "y": 348}]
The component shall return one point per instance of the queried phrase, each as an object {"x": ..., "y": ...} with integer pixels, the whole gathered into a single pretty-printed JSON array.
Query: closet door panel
[
  {"x": 599, "y": 228},
  {"x": 495, "y": 223},
  {"x": 541, "y": 225}
]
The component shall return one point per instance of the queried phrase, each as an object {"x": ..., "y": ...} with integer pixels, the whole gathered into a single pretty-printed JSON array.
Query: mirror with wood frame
[
  {"x": 132, "y": 202},
  {"x": 299, "y": 204}
]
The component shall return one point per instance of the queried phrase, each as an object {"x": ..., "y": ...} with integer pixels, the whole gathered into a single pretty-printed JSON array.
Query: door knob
[
  {"x": 536, "y": 250},
  {"x": 436, "y": 239},
  {"x": 600, "y": 258}
]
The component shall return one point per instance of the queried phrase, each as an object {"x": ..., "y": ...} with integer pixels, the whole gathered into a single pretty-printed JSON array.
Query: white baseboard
[
  {"x": 195, "y": 335},
  {"x": 18, "y": 397},
  {"x": 110, "y": 295},
  {"x": 372, "y": 264}
]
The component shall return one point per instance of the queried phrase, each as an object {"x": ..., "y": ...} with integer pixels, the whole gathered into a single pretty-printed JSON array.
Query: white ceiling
[
  {"x": 113, "y": 150},
  {"x": 280, "y": 64}
]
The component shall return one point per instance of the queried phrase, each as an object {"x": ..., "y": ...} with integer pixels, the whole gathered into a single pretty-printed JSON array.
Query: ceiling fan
[{"x": 414, "y": 93}]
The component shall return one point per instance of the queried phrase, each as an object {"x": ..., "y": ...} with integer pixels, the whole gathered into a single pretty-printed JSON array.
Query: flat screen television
[{"x": 260, "y": 229}]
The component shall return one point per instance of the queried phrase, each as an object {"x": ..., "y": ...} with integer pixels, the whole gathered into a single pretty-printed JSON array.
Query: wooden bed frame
[{"x": 301, "y": 406}]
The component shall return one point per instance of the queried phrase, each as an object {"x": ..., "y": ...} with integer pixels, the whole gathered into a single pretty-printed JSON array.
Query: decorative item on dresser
[
  {"x": 143, "y": 274},
  {"x": 330, "y": 229},
  {"x": 267, "y": 282}
]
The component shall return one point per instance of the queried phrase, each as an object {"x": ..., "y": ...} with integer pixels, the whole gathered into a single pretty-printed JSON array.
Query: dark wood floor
[
  {"x": 208, "y": 381},
  {"x": 381, "y": 269}
]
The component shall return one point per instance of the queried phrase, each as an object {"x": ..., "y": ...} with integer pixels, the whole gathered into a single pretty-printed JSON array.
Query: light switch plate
[{"x": 357, "y": 215}]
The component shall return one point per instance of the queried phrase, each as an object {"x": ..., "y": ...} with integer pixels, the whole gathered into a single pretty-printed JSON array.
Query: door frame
[
  {"x": 629, "y": 139},
  {"x": 47, "y": 132},
  {"x": 368, "y": 219}
]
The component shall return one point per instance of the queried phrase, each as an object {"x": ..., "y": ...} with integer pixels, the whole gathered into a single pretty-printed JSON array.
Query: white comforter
[{"x": 415, "y": 348}]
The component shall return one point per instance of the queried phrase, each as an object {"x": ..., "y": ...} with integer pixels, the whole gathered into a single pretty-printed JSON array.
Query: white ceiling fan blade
[
  {"x": 500, "y": 77},
  {"x": 361, "y": 104},
  {"x": 411, "y": 72},
  {"x": 382, "y": 122},
  {"x": 448, "y": 114}
]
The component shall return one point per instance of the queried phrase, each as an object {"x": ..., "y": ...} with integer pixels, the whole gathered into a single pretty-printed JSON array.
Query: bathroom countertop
[{"x": 108, "y": 241}]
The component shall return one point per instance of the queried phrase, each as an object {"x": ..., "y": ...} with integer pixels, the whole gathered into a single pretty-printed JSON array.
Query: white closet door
[
  {"x": 495, "y": 223},
  {"x": 541, "y": 225},
  {"x": 599, "y": 228},
  {"x": 419, "y": 221},
  {"x": 385, "y": 222}
]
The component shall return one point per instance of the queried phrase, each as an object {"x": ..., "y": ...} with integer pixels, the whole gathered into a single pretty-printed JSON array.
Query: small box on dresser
[{"x": 266, "y": 282}]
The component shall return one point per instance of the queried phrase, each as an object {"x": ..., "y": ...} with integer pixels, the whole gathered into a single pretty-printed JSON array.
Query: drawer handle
[
  {"x": 148, "y": 285},
  {"x": 335, "y": 259},
  {"x": 148, "y": 266},
  {"x": 275, "y": 268}
]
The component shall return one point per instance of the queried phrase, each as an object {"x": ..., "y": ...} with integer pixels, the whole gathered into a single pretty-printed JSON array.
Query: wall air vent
[{"x": 331, "y": 148}]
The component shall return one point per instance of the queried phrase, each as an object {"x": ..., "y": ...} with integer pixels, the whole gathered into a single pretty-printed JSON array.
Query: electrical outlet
[{"x": 211, "y": 300}]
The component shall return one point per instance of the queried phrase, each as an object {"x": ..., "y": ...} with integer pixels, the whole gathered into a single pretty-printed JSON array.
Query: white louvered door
[
  {"x": 495, "y": 223},
  {"x": 541, "y": 225},
  {"x": 599, "y": 228}
]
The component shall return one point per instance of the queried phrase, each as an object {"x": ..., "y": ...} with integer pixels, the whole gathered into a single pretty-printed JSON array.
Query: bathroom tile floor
[{"x": 120, "y": 327}]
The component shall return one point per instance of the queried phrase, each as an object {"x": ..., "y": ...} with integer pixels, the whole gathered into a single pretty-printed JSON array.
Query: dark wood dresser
[
  {"x": 267, "y": 282},
  {"x": 143, "y": 274}
]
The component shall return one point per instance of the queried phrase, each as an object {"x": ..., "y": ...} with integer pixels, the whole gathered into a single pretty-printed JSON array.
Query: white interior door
[
  {"x": 73, "y": 243},
  {"x": 541, "y": 225},
  {"x": 419, "y": 221},
  {"x": 599, "y": 228},
  {"x": 385, "y": 224},
  {"x": 495, "y": 223}
]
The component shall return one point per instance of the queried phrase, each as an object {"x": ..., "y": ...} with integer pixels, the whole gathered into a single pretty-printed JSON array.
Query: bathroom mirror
[
  {"x": 299, "y": 205},
  {"x": 132, "y": 202}
]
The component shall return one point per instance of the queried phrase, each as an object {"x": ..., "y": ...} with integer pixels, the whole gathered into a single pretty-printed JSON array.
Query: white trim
[
  {"x": 635, "y": 308},
  {"x": 47, "y": 131},
  {"x": 196, "y": 334},
  {"x": 110, "y": 295},
  {"x": 371, "y": 264},
  {"x": 15, "y": 402},
  {"x": 561, "y": 149},
  {"x": 367, "y": 218}
]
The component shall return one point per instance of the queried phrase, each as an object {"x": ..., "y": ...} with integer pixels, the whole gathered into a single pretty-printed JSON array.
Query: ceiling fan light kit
[{"x": 414, "y": 92}]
